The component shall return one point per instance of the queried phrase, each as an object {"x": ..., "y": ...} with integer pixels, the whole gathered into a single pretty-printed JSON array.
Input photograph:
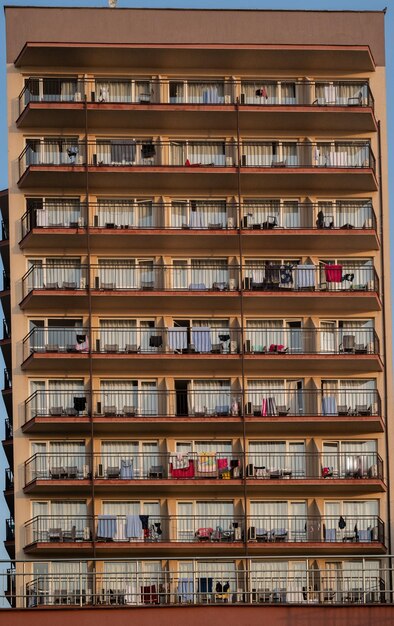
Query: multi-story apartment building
[{"x": 196, "y": 308}]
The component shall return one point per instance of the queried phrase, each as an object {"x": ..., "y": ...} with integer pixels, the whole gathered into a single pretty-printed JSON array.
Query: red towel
[
  {"x": 333, "y": 273},
  {"x": 222, "y": 464},
  {"x": 187, "y": 472}
]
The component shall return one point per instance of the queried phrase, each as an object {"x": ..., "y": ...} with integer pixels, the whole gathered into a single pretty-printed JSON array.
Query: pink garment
[
  {"x": 333, "y": 273},
  {"x": 84, "y": 346},
  {"x": 264, "y": 407},
  {"x": 222, "y": 464}
]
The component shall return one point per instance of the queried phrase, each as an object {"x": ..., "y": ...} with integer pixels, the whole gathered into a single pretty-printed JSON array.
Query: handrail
[
  {"x": 206, "y": 91},
  {"x": 70, "y": 152},
  {"x": 265, "y": 341},
  {"x": 259, "y": 214}
]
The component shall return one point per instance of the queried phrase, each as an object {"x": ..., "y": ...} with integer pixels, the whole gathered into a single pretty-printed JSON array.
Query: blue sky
[{"x": 351, "y": 5}]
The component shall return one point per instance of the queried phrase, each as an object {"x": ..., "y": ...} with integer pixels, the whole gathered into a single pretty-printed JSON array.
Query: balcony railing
[
  {"x": 6, "y": 331},
  {"x": 207, "y": 340},
  {"x": 112, "y": 215},
  {"x": 8, "y": 429},
  {"x": 9, "y": 479},
  {"x": 220, "y": 465},
  {"x": 259, "y": 402},
  {"x": 4, "y": 231},
  {"x": 259, "y": 581},
  {"x": 201, "y": 276},
  {"x": 145, "y": 153},
  {"x": 134, "y": 466},
  {"x": 201, "y": 91},
  {"x": 204, "y": 528},
  {"x": 9, "y": 530},
  {"x": 7, "y": 380},
  {"x": 4, "y": 281}
]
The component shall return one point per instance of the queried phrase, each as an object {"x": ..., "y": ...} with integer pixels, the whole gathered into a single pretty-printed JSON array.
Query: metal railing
[
  {"x": 144, "y": 528},
  {"x": 259, "y": 214},
  {"x": 6, "y": 331},
  {"x": 7, "y": 380},
  {"x": 204, "y": 528},
  {"x": 260, "y": 402},
  {"x": 221, "y": 465},
  {"x": 134, "y": 466},
  {"x": 200, "y": 275},
  {"x": 202, "y": 91},
  {"x": 9, "y": 529},
  {"x": 5, "y": 281},
  {"x": 207, "y": 340},
  {"x": 146, "y": 153},
  {"x": 4, "y": 231},
  {"x": 209, "y": 580},
  {"x": 8, "y": 429}
]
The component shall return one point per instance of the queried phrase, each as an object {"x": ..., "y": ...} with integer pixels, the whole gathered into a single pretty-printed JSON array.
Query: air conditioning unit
[
  {"x": 86, "y": 534},
  {"x": 227, "y": 99},
  {"x": 229, "y": 161},
  {"x": 232, "y": 285},
  {"x": 230, "y": 222},
  {"x": 252, "y": 533},
  {"x": 100, "y": 472}
]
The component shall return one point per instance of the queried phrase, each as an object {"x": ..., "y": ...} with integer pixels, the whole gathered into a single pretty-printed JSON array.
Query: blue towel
[
  {"x": 186, "y": 589},
  {"x": 133, "y": 527},
  {"x": 201, "y": 338},
  {"x": 106, "y": 528},
  {"x": 126, "y": 468},
  {"x": 177, "y": 338},
  {"x": 329, "y": 405}
]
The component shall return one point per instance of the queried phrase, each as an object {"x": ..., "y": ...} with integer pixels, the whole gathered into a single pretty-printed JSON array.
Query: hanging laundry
[
  {"x": 333, "y": 273},
  {"x": 201, "y": 338},
  {"x": 177, "y": 338},
  {"x": 155, "y": 341},
  {"x": 82, "y": 343},
  {"x": 79, "y": 404},
  {"x": 133, "y": 527}
]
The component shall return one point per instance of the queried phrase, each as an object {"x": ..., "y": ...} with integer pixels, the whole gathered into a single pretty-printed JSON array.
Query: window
[{"x": 128, "y": 397}]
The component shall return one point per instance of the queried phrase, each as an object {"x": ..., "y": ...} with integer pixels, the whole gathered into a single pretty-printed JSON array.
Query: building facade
[{"x": 197, "y": 313}]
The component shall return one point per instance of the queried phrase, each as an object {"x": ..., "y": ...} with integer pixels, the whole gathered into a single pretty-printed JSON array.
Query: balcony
[
  {"x": 151, "y": 348},
  {"x": 287, "y": 534},
  {"x": 356, "y": 472},
  {"x": 9, "y": 489},
  {"x": 189, "y": 224},
  {"x": 194, "y": 283},
  {"x": 357, "y": 410},
  {"x": 184, "y": 164},
  {"x": 255, "y": 581},
  {"x": 5, "y": 344},
  {"x": 263, "y": 104},
  {"x": 8, "y": 442}
]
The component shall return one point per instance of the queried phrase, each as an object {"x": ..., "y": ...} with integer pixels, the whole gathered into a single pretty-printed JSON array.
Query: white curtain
[
  {"x": 350, "y": 393},
  {"x": 259, "y": 92},
  {"x": 198, "y": 213},
  {"x": 284, "y": 393},
  {"x": 59, "y": 454},
  {"x": 280, "y": 581},
  {"x": 59, "y": 212},
  {"x": 339, "y": 93},
  {"x": 280, "y": 518},
  {"x": 63, "y": 272},
  {"x": 126, "y": 395},
  {"x": 200, "y": 92},
  {"x": 124, "y": 508},
  {"x": 125, "y": 212},
  {"x": 203, "y": 514},
  {"x": 126, "y": 273},
  {"x": 57, "y": 393},
  {"x": 142, "y": 455},
  {"x": 113, "y": 90},
  {"x": 209, "y": 396},
  {"x": 349, "y": 458},
  {"x": 357, "y": 213},
  {"x": 198, "y": 153},
  {"x": 279, "y": 456}
]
